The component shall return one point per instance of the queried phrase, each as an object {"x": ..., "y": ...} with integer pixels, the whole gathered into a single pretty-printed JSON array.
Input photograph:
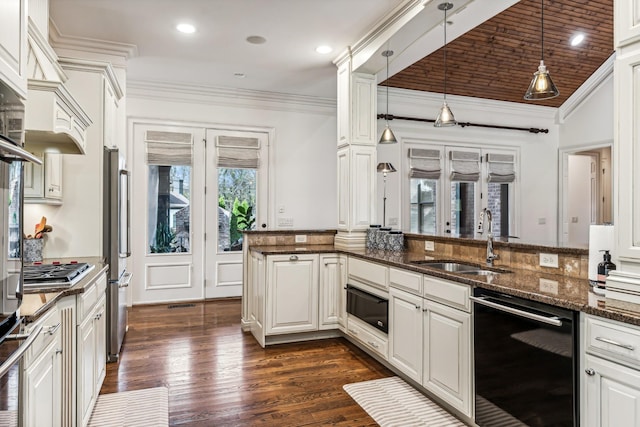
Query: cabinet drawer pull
[
  {"x": 590, "y": 372},
  {"x": 373, "y": 344},
  {"x": 58, "y": 351},
  {"x": 293, "y": 258},
  {"x": 612, "y": 342},
  {"x": 354, "y": 332},
  {"x": 53, "y": 329}
]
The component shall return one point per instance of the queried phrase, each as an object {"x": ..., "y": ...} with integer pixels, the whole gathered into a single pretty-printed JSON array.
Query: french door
[{"x": 236, "y": 199}]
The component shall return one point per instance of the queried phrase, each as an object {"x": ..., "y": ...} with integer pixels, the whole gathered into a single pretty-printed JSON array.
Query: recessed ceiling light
[
  {"x": 324, "y": 49},
  {"x": 577, "y": 39},
  {"x": 256, "y": 40},
  {"x": 186, "y": 28}
]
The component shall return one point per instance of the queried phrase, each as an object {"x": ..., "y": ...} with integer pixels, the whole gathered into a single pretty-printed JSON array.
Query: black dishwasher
[{"x": 525, "y": 356}]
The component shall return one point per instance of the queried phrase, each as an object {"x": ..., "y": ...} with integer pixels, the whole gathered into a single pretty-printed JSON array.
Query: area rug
[
  {"x": 391, "y": 402},
  {"x": 137, "y": 408}
]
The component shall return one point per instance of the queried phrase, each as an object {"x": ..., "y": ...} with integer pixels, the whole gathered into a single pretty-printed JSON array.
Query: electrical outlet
[
  {"x": 549, "y": 260},
  {"x": 393, "y": 221},
  {"x": 574, "y": 219},
  {"x": 301, "y": 238},
  {"x": 281, "y": 209},
  {"x": 549, "y": 286},
  {"x": 429, "y": 245},
  {"x": 285, "y": 222},
  {"x": 542, "y": 221}
]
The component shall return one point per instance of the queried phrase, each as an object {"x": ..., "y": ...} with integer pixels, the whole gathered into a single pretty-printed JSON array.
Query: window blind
[
  {"x": 424, "y": 163},
  {"x": 465, "y": 166},
  {"x": 168, "y": 148},
  {"x": 238, "y": 152},
  {"x": 501, "y": 168}
]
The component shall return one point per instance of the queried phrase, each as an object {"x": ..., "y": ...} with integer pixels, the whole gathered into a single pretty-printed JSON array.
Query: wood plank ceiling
[{"x": 497, "y": 59}]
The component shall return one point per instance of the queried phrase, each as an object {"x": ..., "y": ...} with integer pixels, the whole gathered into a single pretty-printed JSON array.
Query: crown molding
[
  {"x": 203, "y": 94},
  {"x": 91, "y": 65},
  {"x": 122, "y": 51},
  {"x": 584, "y": 92}
]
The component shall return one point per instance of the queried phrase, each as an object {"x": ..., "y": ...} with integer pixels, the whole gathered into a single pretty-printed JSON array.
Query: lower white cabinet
[
  {"x": 610, "y": 377},
  {"x": 292, "y": 293},
  {"x": 342, "y": 296},
  {"x": 41, "y": 393},
  {"x": 91, "y": 359},
  {"x": 332, "y": 282},
  {"x": 405, "y": 332},
  {"x": 447, "y": 354}
]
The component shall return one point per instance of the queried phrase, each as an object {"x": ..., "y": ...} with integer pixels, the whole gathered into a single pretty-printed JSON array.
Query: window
[
  {"x": 500, "y": 178},
  {"x": 425, "y": 169},
  {"x": 464, "y": 174},
  {"x": 238, "y": 161},
  {"x": 169, "y": 191}
]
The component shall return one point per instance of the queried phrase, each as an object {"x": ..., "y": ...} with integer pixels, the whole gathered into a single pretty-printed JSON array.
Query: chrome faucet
[{"x": 491, "y": 255}]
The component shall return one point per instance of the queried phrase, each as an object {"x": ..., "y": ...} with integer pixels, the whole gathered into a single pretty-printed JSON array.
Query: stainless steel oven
[
  {"x": 368, "y": 307},
  {"x": 12, "y": 343},
  {"x": 526, "y": 360}
]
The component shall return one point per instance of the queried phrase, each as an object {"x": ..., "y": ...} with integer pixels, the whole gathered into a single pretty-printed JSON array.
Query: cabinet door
[
  {"x": 405, "y": 332},
  {"x": 43, "y": 183},
  {"x": 100, "y": 326},
  {"x": 342, "y": 296},
  {"x": 86, "y": 382},
  {"x": 447, "y": 354},
  {"x": 329, "y": 291},
  {"x": 53, "y": 176},
  {"x": 13, "y": 44},
  {"x": 612, "y": 394},
  {"x": 42, "y": 405},
  {"x": 292, "y": 294}
]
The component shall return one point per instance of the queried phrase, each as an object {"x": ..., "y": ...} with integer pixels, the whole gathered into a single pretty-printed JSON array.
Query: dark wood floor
[{"x": 218, "y": 375}]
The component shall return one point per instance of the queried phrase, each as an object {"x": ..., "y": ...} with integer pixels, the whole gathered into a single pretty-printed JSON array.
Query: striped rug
[
  {"x": 391, "y": 402},
  {"x": 148, "y": 407}
]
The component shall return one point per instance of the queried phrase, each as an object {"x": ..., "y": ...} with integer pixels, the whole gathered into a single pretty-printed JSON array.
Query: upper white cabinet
[
  {"x": 13, "y": 44},
  {"x": 43, "y": 183},
  {"x": 627, "y": 22}
]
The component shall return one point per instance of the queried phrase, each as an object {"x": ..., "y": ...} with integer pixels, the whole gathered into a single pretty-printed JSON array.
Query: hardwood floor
[{"x": 218, "y": 375}]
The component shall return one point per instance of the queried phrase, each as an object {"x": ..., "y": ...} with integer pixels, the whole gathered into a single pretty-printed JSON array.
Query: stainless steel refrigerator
[{"x": 116, "y": 248}]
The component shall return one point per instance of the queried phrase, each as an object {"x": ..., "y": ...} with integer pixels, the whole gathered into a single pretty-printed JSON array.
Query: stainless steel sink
[
  {"x": 480, "y": 273},
  {"x": 453, "y": 267}
]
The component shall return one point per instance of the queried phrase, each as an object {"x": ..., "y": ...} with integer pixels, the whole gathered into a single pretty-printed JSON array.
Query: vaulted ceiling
[{"x": 497, "y": 59}]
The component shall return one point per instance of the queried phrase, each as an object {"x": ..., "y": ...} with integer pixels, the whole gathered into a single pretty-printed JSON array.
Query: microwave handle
[{"x": 16, "y": 355}]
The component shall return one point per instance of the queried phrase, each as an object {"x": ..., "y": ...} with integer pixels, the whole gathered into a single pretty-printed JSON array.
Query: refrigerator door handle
[{"x": 126, "y": 279}]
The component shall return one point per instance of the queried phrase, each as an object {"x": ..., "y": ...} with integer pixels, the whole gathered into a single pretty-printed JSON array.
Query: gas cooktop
[{"x": 54, "y": 275}]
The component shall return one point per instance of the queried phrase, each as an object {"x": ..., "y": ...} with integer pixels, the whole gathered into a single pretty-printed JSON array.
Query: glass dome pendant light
[
  {"x": 541, "y": 86},
  {"x": 387, "y": 136},
  {"x": 445, "y": 117}
]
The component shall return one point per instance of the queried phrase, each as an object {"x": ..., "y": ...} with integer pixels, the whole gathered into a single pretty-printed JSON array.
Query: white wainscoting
[{"x": 229, "y": 273}]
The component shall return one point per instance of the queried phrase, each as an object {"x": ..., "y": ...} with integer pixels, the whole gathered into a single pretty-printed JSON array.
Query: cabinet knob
[
  {"x": 293, "y": 258},
  {"x": 590, "y": 372},
  {"x": 417, "y": 307},
  {"x": 58, "y": 351},
  {"x": 425, "y": 310}
]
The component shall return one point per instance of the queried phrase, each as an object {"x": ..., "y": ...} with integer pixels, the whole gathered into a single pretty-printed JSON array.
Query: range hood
[{"x": 54, "y": 121}]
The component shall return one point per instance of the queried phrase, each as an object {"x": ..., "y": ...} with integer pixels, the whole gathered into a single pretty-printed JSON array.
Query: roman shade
[
  {"x": 501, "y": 168},
  {"x": 424, "y": 163},
  {"x": 168, "y": 148},
  {"x": 465, "y": 166},
  {"x": 238, "y": 152}
]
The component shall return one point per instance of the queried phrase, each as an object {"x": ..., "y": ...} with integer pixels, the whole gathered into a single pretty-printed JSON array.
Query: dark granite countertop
[
  {"x": 36, "y": 302},
  {"x": 553, "y": 289}
]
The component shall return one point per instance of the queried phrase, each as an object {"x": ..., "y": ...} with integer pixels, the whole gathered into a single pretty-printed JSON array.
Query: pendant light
[
  {"x": 387, "y": 135},
  {"x": 445, "y": 117},
  {"x": 541, "y": 86}
]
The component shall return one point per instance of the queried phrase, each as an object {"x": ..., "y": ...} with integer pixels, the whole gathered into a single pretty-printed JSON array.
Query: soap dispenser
[{"x": 604, "y": 268}]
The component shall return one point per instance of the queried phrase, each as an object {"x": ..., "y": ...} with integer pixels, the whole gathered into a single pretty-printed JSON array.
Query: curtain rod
[{"x": 463, "y": 124}]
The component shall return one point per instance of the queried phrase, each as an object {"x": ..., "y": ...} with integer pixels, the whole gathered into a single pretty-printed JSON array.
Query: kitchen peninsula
[{"x": 298, "y": 291}]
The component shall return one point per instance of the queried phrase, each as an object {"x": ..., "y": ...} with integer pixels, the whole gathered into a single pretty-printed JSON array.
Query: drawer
[
  {"x": 88, "y": 299},
  {"x": 371, "y": 338},
  {"x": 453, "y": 294},
  {"x": 50, "y": 326},
  {"x": 407, "y": 280},
  {"x": 369, "y": 272},
  {"x": 613, "y": 339}
]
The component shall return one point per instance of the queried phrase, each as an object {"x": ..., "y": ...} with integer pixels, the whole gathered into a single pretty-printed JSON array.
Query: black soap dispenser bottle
[{"x": 604, "y": 268}]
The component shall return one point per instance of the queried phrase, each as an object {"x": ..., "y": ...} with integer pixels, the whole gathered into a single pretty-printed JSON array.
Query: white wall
[
  {"x": 538, "y": 173},
  {"x": 303, "y": 150}
]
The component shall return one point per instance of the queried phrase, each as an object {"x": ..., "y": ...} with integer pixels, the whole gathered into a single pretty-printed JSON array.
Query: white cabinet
[
  {"x": 405, "y": 332},
  {"x": 110, "y": 125},
  {"x": 342, "y": 297},
  {"x": 13, "y": 44},
  {"x": 447, "y": 354},
  {"x": 42, "y": 405},
  {"x": 43, "y": 183},
  {"x": 369, "y": 273},
  {"x": 331, "y": 285},
  {"x": 91, "y": 348},
  {"x": 610, "y": 377},
  {"x": 292, "y": 293}
]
